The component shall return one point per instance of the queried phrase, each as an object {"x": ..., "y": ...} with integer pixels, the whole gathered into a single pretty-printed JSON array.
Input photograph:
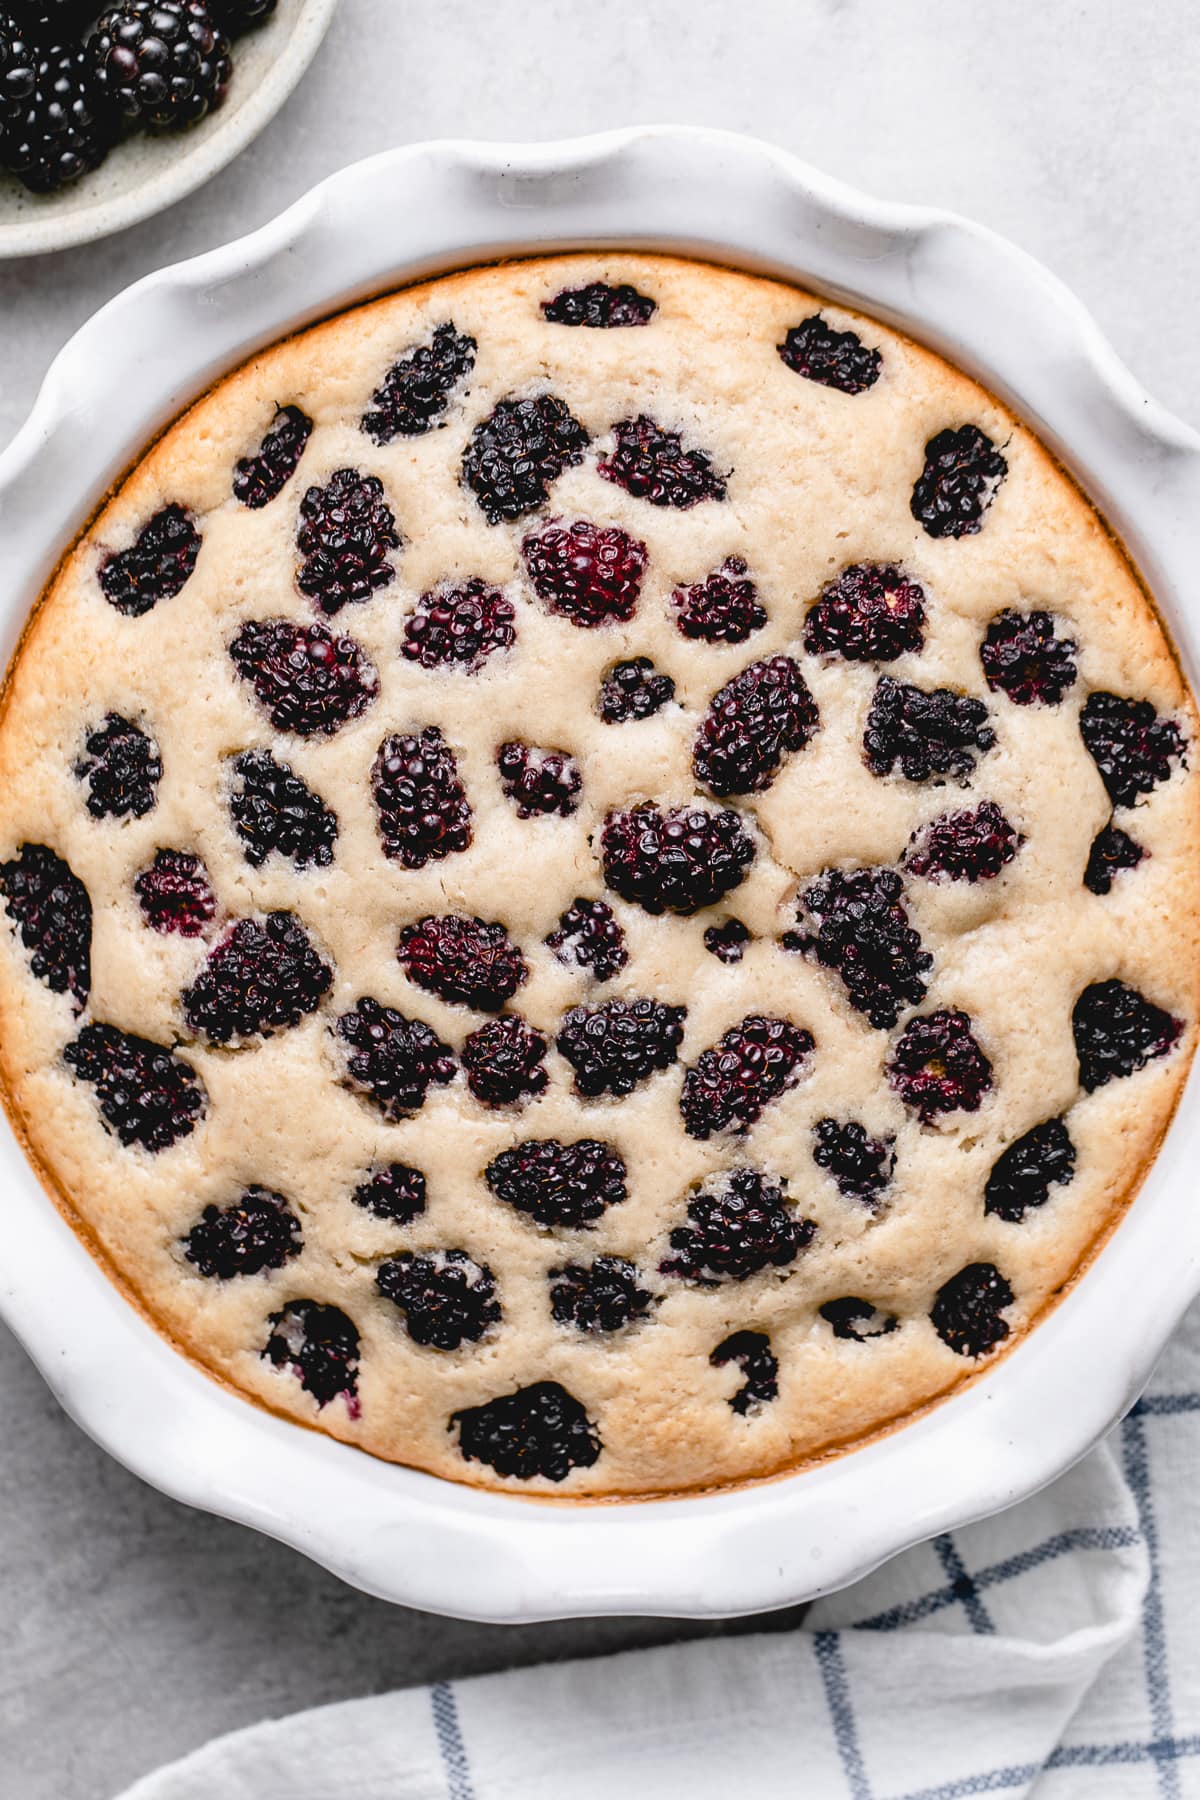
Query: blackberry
[
  {"x": 600, "y": 306},
  {"x": 345, "y": 532},
  {"x": 147, "y": 1095},
  {"x": 539, "y": 782},
  {"x": 1112, "y": 851},
  {"x": 264, "y": 976},
  {"x": 964, "y": 846},
  {"x": 871, "y": 612},
  {"x": 463, "y": 961},
  {"x": 751, "y": 724},
  {"x": 503, "y": 1061},
  {"x": 393, "y": 1191},
  {"x": 447, "y": 1299},
  {"x": 1118, "y": 1031},
  {"x": 517, "y": 452},
  {"x": 559, "y": 1186},
  {"x": 392, "y": 1060},
  {"x": 675, "y": 861},
  {"x": 538, "y": 1430},
  {"x": 156, "y": 565},
  {"x": 590, "y": 937},
  {"x": 927, "y": 733},
  {"x": 727, "y": 941},
  {"x": 963, "y": 469},
  {"x": 860, "y": 1164},
  {"x": 633, "y": 690},
  {"x": 1131, "y": 746},
  {"x": 459, "y": 627},
  {"x": 833, "y": 359},
  {"x": 968, "y": 1312},
  {"x": 259, "y": 478},
  {"x": 739, "y": 1227},
  {"x": 751, "y": 1351},
  {"x": 416, "y": 391},
  {"x": 175, "y": 893},
  {"x": 304, "y": 679},
  {"x": 122, "y": 769},
  {"x": 319, "y": 1345},
  {"x": 258, "y": 1232},
  {"x": 724, "y": 608},
  {"x": 424, "y": 813},
  {"x": 728, "y": 1086},
  {"x": 859, "y": 926},
  {"x": 54, "y": 126},
  {"x": 652, "y": 464},
  {"x": 590, "y": 574},
  {"x": 161, "y": 64},
  {"x": 603, "y": 1296},
  {"x": 51, "y": 912},
  {"x": 857, "y": 1319},
  {"x": 238, "y": 16},
  {"x": 938, "y": 1067},
  {"x": 615, "y": 1046},
  {"x": 275, "y": 813},
  {"x": 1023, "y": 1175},
  {"x": 1022, "y": 656}
]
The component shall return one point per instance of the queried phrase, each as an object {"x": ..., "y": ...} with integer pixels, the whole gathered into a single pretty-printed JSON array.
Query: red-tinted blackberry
[
  {"x": 728, "y": 1086},
  {"x": 964, "y": 846},
  {"x": 857, "y": 1319},
  {"x": 539, "y": 782},
  {"x": 938, "y": 1067},
  {"x": 751, "y": 1351},
  {"x": 968, "y": 1312},
  {"x": 633, "y": 690},
  {"x": 122, "y": 769},
  {"x": 590, "y": 937},
  {"x": 416, "y": 391},
  {"x": 834, "y": 359},
  {"x": 1118, "y": 1031},
  {"x": 963, "y": 469},
  {"x": 304, "y": 679},
  {"x": 926, "y": 733},
  {"x": 538, "y": 1430},
  {"x": 1023, "y": 1175},
  {"x": 242, "y": 15},
  {"x": 393, "y": 1191},
  {"x": 860, "y": 1164},
  {"x": 147, "y": 1095},
  {"x": 517, "y": 452},
  {"x": 257, "y": 1232},
  {"x": 462, "y": 960},
  {"x": 652, "y": 464},
  {"x": 424, "y": 813},
  {"x": 590, "y": 574},
  {"x": 319, "y": 1345},
  {"x": 858, "y": 925},
  {"x": 264, "y": 976},
  {"x": 51, "y": 912},
  {"x": 724, "y": 608},
  {"x": 162, "y": 64},
  {"x": 259, "y": 478},
  {"x": 601, "y": 1296},
  {"x": 560, "y": 1186},
  {"x": 447, "y": 1298},
  {"x": 345, "y": 532},
  {"x": 275, "y": 813},
  {"x": 394, "y": 1061},
  {"x": 675, "y": 861},
  {"x": 459, "y": 627},
  {"x": 600, "y": 306},
  {"x": 1024, "y": 659},
  {"x": 54, "y": 126},
  {"x": 739, "y": 1226},
  {"x": 1131, "y": 746},
  {"x": 751, "y": 725},
  {"x": 871, "y": 612},
  {"x": 503, "y": 1061},
  {"x": 727, "y": 941},
  {"x": 155, "y": 566},
  {"x": 175, "y": 893},
  {"x": 1112, "y": 851},
  {"x": 615, "y": 1046}
]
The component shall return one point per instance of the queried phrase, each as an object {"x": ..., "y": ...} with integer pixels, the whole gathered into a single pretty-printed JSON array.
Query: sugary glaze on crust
[{"x": 818, "y": 480}]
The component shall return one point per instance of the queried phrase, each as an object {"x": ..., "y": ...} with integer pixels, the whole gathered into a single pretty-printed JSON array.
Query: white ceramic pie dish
[{"x": 402, "y": 1534}]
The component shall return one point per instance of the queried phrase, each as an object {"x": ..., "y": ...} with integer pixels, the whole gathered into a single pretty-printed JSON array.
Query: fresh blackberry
[
  {"x": 738, "y": 1227},
  {"x": 559, "y": 1186},
  {"x": 416, "y": 391},
  {"x": 459, "y": 627},
  {"x": 857, "y": 1319},
  {"x": 968, "y": 1312},
  {"x": 963, "y": 469},
  {"x": 728, "y": 1086},
  {"x": 615, "y": 1046},
  {"x": 1023, "y": 1175},
  {"x": 590, "y": 936},
  {"x": 517, "y": 452},
  {"x": 964, "y": 846},
  {"x": 600, "y": 306},
  {"x": 1131, "y": 746},
  {"x": 590, "y": 574},
  {"x": 161, "y": 64},
  {"x": 54, "y": 126},
  {"x": 928, "y": 734},
  {"x": 538, "y": 1430},
  {"x": 264, "y": 976},
  {"x": 1024, "y": 659},
  {"x": 1118, "y": 1031},
  {"x": 275, "y": 813},
  {"x": 539, "y": 782},
  {"x": 503, "y": 1061},
  {"x": 259, "y": 478},
  {"x": 727, "y": 941},
  {"x": 859, "y": 1163},
  {"x": 871, "y": 612},
  {"x": 258, "y": 1232},
  {"x": 751, "y": 1351},
  {"x": 633, "y": 690},
  {"x": 1112, "y": 851},
  {"x": 675, "y": 861},
  {"x": 155, "y": 566},
  {"x": 238, "y": 16},
  {"x": 393, "y": 1191},
  {"x": 175, "y": 893},
  {"x": 51, "y": 912},
  {"x": 833, "y": 359},
  {"x": 447, "y": 1299},
  {"x": 122, "y": 769},
  {"x": 938, "y": 1067},
  {"x": 392, "y": 1060},
  {"x": 858, "y": 925},
  {"x": 147, "y": 1095},
  {"x": 724, "y": 608},
  {"x": 752, "y": 723},
  {"x": 424, "y": 813},
  {"x": 462, "y": 960},
  {"x": 319, "y": 1345},
  {"x": 652, "y": 464},
  {"x": 19, "y": 56},
  {"x": 602, "y": 1296},
  {"x": 345, "y": 532},
  {"x": 305, "y": 680}
]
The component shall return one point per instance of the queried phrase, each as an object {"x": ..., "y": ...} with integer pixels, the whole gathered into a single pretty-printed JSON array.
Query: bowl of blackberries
[{"x": 109, "y": 113}]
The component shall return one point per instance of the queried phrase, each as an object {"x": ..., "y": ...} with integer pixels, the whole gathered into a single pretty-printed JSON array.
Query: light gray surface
[{"x": 136, "y": 1629}]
